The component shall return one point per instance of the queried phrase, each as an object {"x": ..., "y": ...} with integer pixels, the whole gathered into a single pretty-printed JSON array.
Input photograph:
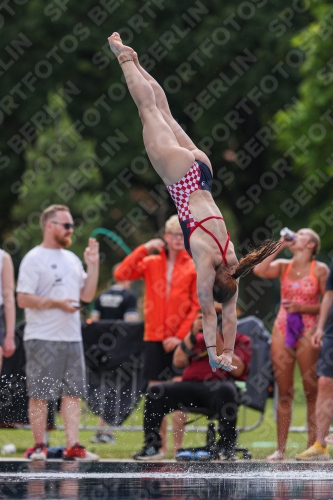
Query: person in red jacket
[{"x": 170, "y": 303}]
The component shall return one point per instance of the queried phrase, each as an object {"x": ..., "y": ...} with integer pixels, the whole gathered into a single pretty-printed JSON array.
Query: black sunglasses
[{"x": 66, "y": 225}]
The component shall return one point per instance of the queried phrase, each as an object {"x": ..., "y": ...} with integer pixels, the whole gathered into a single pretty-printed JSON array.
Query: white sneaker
[
  {"x": 39, "y": 453},
  {"x": 89, "y": 456},
  {"x": 78, "y": 452}
]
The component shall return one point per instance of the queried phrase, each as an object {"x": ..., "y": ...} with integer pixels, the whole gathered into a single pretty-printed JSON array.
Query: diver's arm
[
  {"x": 229, "y": 327},
  {"x": 205, "y": 282}
]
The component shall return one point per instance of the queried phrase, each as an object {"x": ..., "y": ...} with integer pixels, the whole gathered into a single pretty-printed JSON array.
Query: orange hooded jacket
[{"x": 164, "y": 316}]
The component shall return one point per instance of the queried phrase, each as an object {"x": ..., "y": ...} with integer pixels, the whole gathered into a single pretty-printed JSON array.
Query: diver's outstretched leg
[
  {"x": 170, "y": 160},
  {"x": 162, "y": 104}
]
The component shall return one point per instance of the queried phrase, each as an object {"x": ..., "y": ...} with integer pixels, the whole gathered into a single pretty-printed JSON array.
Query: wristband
[
  {"x": 208, "y": 346},
  {"x": 192, "y": 338},
  {"x": 185, "y": 349},
  {"x": 127, "y": 60},
  {"x": 228, "y": 349}
]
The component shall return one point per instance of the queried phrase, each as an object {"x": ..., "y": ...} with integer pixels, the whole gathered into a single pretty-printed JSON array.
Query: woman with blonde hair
[
  {"x": 188, "y": 175},
  {"x": 302, "y": 280}
]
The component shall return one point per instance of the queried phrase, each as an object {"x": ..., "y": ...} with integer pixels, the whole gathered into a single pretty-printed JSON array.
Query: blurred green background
[{"x": 249, "y": 81}]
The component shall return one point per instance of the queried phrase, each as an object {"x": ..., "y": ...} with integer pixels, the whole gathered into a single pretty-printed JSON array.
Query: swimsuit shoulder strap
[
  {"x": 312, "y": 274},
  {"x": 223, "y": 251},
  {"x": 312, "y": 266},
  {"x": 287, "y": 270}
]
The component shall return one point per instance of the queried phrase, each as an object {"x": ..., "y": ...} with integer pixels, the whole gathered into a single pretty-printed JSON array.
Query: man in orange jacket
[{"x": 170, "y": 304}]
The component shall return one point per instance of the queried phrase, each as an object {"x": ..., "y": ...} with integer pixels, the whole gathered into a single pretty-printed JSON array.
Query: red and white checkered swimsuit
[{"x": 198, "y": 177}]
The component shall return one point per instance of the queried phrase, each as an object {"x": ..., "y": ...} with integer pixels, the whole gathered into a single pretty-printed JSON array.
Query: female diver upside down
[{"x": 187, "y": 173}]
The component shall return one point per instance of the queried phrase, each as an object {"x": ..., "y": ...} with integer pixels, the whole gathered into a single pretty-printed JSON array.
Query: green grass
[{"x": 261, "y": 441}]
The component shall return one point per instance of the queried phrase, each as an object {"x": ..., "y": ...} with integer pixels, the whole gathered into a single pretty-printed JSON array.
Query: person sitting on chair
[{"x": 200, "y": 388}]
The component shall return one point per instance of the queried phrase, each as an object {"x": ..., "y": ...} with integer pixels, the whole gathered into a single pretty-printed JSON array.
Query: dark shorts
[
  {"x": 54, "y": 369},
  {"x": 2, "y": 328},
  {"x": 158, "y": 363},
  {"x": 325, "y": 362}
]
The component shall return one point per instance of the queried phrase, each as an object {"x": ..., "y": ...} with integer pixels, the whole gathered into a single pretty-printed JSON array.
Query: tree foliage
[
  {"x": 306, "y": 129},
  {"x": 226, "y": 69},
  {"x": 72, "y": 179},
  {"x": 189, "y": 46}
]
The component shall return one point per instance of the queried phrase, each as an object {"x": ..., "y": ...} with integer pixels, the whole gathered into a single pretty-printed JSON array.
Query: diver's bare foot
[{"x": 122, "y": 52}]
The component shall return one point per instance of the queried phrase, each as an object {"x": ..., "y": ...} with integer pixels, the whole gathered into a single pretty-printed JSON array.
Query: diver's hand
[{"x": 224, "y": 361}]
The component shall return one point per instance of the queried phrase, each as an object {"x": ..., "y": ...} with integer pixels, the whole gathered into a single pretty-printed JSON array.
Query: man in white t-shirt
[{"x": 51, "y": 283}]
